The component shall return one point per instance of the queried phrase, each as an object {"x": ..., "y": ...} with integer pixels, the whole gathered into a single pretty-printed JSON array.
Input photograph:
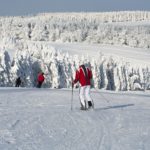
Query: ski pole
[
  {"x": 92, "y": 104},
  {"x": 72, "y": 93}
]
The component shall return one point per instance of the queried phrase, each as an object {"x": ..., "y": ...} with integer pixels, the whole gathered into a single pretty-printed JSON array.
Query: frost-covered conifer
[
  {"x": 5, "y": 68},
  {"x": 131, "y": 29}
]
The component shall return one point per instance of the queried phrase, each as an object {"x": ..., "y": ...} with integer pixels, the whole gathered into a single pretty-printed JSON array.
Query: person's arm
[{"x": 90, "y": 73}]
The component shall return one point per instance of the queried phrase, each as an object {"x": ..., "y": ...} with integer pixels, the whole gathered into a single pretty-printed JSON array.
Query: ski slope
[
  {"x": 134, "y": 55},
  {"x": 41, "y": 119}
]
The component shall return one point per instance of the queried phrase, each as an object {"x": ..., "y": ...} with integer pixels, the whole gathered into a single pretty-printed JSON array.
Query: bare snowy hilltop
[{"x": 115, "y": 45}]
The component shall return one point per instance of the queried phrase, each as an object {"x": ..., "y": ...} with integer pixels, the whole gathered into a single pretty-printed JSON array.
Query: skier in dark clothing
[
  {"x": 18, "y": 82},
  {"x": 40, "y": 79}
]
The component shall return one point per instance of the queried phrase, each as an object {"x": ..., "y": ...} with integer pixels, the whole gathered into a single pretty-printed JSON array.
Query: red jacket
[
  {"x": 40, "y": 77},
  {"x": 81, "y": 77}
]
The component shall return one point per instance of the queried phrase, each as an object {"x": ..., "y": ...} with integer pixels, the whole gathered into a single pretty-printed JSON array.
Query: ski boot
[
  {"x": 90, "y": 105},
  {"x": 83, "y": 107}
]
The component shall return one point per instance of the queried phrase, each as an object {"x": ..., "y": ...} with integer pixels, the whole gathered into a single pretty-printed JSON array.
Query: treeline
[
  {"x": 108, "y": 73},
  {"x": 115, "y": 28}
]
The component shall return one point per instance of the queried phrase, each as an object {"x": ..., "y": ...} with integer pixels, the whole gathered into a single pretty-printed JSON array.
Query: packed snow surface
[
  {"x": 136, "y": 55},
  {"x": 42, "y": 119}
]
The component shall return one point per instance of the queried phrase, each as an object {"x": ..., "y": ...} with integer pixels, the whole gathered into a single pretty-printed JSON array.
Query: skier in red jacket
[
  {"x": 84, "y": 75},
  {"x": 40, "y": 79}
]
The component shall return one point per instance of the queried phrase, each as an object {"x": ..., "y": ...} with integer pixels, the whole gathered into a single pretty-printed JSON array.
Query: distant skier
[
  {"x": 84, "y": 75},
  {"x": 40, "y": 79},
  {"x": 18, "y": 82}
]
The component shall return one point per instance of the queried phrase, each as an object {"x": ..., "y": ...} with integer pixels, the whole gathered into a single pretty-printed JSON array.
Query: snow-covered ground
[
  {"x": 137, "y": 55},
  {"x": 41, "y": 119}
]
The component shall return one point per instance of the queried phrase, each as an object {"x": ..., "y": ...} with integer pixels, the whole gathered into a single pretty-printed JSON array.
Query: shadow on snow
[{"x": 114, "y": 107}]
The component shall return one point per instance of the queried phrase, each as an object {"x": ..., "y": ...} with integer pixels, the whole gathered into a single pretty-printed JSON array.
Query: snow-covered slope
[
  {"x": 134, "y": 55},
  {"x": 41, "y": 119}
]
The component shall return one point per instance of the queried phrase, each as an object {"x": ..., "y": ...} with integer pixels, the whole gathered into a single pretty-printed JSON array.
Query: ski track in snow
[{"x": 41, "y": 119}]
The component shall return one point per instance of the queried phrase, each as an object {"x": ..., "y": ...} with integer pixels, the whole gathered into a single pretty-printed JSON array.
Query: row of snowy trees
[
  {"x": 116, "y": 28},
  {"x": 108, "y": 73}
]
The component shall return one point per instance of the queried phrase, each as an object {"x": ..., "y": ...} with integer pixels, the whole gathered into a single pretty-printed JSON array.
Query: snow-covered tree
[{"x": 5, "y": 65}]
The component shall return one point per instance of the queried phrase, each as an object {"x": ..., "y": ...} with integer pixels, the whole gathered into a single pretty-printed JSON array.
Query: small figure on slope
[
  {"x": 40, "y": 79},
  {"x": 18, "y": 82}
]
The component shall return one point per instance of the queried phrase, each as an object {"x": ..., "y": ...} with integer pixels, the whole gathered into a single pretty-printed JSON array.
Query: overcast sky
[{"x": 25, "y": 7}]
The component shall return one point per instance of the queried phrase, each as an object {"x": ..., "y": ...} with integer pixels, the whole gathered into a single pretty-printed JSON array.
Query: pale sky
[{"x": 28, "y": 7}]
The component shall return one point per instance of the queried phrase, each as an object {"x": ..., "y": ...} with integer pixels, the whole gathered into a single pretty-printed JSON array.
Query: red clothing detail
[
  {"x": 80, "y": 76},
  {"x": 41, "y": 77}
]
